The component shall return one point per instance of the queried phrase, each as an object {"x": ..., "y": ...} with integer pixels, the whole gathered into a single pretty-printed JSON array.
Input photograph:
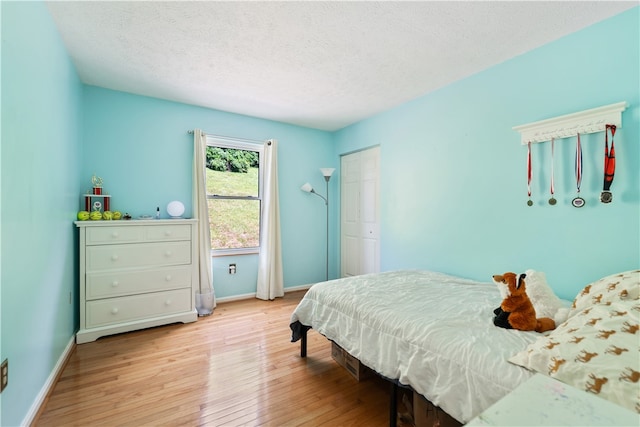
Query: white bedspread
[{"x": 431, "y": 331}]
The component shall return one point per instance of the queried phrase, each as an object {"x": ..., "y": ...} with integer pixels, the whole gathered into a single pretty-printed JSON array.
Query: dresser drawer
[
  {"x": 168, "y": 232},
  {"x": 130, "y": 308},
  {"x": 107, "y": 285},
  {"x": 137, "y": 233},
  {"x": 122, "y": 234},
  {"x": 108, "y": 257}
]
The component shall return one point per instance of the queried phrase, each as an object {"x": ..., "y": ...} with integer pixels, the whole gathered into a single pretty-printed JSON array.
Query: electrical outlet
[
  {"x": 232, "y": 269},
  {"x": 4, "y": 374}
]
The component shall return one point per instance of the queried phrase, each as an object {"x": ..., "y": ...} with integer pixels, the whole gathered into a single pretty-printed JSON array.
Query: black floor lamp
[{"x": 326, "y": 172}]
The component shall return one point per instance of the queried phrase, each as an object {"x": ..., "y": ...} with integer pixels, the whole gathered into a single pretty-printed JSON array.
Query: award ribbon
[
  {"x": 609, "y": 164},
  {"x": 552, "y": 200},
  {"x": 529, "y": 202},
  {"x": 578, "y": 201}
]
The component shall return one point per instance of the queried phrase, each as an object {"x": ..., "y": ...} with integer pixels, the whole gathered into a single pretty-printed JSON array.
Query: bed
[{"x": 434, "y": 333}]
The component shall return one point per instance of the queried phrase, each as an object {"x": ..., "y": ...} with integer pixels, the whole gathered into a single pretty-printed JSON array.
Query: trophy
[{"x": 97, "y": 184}]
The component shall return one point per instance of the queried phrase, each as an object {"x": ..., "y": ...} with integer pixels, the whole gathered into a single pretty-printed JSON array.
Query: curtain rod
[{"x": 229, "y": 138}]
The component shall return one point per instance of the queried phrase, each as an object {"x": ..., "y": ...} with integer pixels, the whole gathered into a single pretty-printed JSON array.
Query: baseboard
[
  {"x": 38, "y": 403},
  {"x": 235, "y": 297},
  {"x": 253, "y": 295},
  {"x": 297, "y": 288}
]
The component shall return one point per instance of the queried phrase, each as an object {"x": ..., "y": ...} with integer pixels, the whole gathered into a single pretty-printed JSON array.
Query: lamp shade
[
  {"x": 307, "y": 187},
  {"x": 327, "y": 172}
]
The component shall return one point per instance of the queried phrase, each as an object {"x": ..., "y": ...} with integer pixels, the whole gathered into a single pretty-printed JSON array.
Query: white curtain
[
  {"x": 270, "y": 281},
  {"x": 201, "y": 211}
]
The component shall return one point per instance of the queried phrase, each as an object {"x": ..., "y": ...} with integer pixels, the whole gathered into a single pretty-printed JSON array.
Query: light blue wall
[
  {"x": 41, "y": 160},
  {"x": 453, "y": 180},
  {"x": 141, "y": 149}
]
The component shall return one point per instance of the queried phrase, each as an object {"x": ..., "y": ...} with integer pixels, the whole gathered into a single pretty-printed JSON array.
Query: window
[{"x": 234, "y": 194}]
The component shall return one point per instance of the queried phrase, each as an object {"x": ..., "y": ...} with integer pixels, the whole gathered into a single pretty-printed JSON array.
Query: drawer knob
[
  {"x": 114, "y": 310},
  {"x": 168, "y": 253},
  {"x": 168, "y": 278},
  {"x": 167, "y": 233},
  {"x": 115, "y": 283},
  {"x": 167, "y": 302},
  {"x": 114, "y": 257},
  {"x": 115, "y": 234}
]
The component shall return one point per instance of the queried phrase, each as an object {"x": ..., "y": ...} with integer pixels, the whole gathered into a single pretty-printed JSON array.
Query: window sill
[{"x": 231, "y": 252}]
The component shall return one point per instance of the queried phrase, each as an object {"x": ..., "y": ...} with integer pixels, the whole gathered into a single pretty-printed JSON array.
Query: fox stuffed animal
[{"x": 516, "y": 310}]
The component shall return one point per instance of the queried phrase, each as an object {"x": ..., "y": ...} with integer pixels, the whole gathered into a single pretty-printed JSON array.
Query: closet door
[{"x": 359, "y": 212}]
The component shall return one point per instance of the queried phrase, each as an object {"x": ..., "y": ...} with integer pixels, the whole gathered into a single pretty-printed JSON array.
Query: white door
[{"x": 360, "y": 212}]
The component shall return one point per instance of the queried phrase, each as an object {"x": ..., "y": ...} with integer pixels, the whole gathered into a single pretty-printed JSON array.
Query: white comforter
[{"x": 431, "y": 331}]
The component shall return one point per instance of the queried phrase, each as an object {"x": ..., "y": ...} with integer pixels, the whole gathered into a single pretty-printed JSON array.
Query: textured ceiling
[{"x": 322, "y": 65}]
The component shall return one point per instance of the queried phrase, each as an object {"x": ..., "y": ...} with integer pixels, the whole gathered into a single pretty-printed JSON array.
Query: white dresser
[{"x": 135, "y": 274}]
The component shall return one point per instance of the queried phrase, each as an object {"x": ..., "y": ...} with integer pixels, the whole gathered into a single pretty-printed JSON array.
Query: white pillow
[{"x": 544, "y": 301}]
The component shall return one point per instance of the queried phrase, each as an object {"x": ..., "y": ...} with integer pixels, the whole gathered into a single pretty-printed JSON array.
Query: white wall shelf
[{"x": 583, "y": 122}]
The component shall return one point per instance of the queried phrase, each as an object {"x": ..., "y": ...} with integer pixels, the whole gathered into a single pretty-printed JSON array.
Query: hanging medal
[
  {"x": 529, "y": 202},
  {"x": 552, "y": 200},
  {"x": 609, "y": 164},
  {"x": 578, "y": 201}
]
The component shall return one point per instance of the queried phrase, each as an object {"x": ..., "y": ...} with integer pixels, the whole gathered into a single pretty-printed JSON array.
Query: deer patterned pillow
[
  {"x": 598, "y": 348},
  {"x": 616, "y": 287}
]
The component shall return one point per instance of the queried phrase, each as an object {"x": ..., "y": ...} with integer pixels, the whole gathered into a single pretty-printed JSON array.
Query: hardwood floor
[{"x": 236, "y": 367}]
